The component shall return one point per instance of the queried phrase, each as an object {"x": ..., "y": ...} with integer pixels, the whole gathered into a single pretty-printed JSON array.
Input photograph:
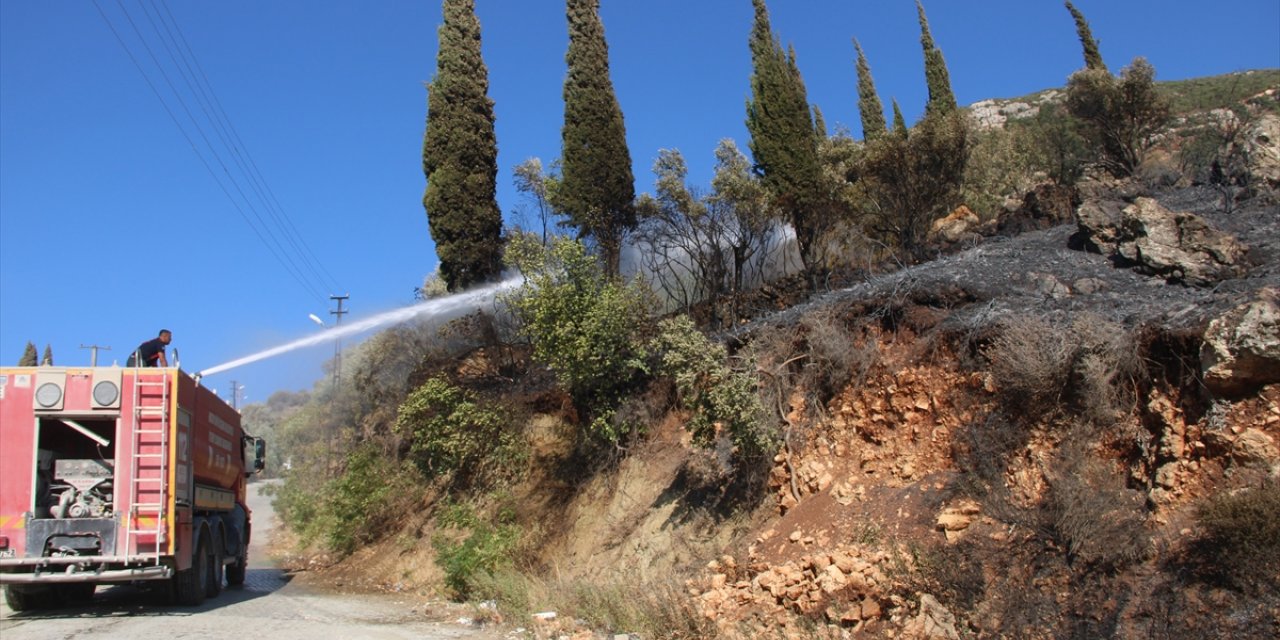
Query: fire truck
[{"x": 120, "y": 475}]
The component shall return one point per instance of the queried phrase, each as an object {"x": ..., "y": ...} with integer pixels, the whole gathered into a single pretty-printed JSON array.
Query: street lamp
[{"x": 316, "y": 319}]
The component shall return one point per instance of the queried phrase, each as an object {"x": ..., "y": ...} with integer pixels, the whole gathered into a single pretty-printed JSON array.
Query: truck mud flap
[{"x": 76, "y": 536}]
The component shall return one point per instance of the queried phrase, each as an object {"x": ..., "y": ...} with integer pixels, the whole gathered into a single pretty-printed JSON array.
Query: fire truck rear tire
[
  {"x": 214, "y": 587},
  {"x": 236, "y": 571},
  {"x": 27, "y": 598},
  {"x": 189, "y": 586}
]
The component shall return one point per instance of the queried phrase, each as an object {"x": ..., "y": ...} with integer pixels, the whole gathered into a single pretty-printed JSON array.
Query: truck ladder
[{"x": 149, "y": 468}]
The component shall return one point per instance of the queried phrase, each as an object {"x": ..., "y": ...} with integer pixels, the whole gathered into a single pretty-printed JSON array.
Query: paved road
[{"x": 266, "y": 607}]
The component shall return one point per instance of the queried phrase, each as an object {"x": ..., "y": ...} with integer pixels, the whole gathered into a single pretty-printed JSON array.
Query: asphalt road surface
[{"x": 267, "y": 606}]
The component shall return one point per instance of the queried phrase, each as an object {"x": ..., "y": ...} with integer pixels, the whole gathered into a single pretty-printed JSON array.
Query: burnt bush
[
  {"x": 982, "y": 449},
  {"x": 954, "y": 573},
  {"x": 1091, "y": 513},
  {"x": 1106, "y": 370},
  {"x": 1090, "y": 366},
  {"x": 1031, "y": 363},
  {"x": 835, "y": 356},
  {"x": 1242, "y": 537}
]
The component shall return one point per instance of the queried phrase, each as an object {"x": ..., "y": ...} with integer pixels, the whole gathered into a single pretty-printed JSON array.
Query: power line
[
  {"x": 240, "y": 150},
  {"x": 178, "y": 96},
  {"x": 204, "y": 96}
]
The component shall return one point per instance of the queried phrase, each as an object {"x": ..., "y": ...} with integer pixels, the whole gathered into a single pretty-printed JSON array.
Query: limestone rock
[
  {"x": 993, "y": 114},
  {"x": 1241, "y": 349},
  {"x": 1166, "y": 476},
  {"x": 1049, "y": 286},
  {"x": 957, "y": 226},
  {"x": 1099, "y": 222},
  {"x": 934, "y": 622},
  {"x": 1255, "y": 448},
  {"x": 1262, "y": 148},
  {"x": 1178, "y": 246}
]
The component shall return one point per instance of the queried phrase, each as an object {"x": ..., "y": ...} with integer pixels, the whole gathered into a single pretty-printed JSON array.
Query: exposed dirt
[{"x": 871, "y": 528}]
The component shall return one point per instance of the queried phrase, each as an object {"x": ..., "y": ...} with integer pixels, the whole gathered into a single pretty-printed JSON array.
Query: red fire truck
[{"x": 110, "y": 475}]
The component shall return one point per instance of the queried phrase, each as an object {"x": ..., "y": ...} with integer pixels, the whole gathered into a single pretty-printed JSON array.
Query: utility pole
[
  {"x": 93, "y": 353},
  {"x": 337, "y": 345},
  {"x": 235, "y": 394}
]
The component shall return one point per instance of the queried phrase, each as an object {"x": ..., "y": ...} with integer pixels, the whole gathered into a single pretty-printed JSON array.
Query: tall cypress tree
[
  {"x": 1092, "y": 57},
  {"x": 47, "y": 360},
  {"x": 869, "y": 106},
  {"x": 30, "y": 357},
  {"x": 899, "y": 122},
  {"x": 941, "y": 99},
  {"x": 460, "y": 155},
  {"x": 597, "y": 189},
  {"x": 783, "y": 143}
]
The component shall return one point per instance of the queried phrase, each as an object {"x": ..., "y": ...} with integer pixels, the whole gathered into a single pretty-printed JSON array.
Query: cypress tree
[
  {"x": 899, "y": 122},
  {"x": 1092, "y": 57},
  {"x": 460, "y": 155},
  {"x": 29, "y": 356},
  {"x": 783, "y": 143},
  {"x": 47, "y": 360},
  {"x": 869, "y": 106},
  {"x": 597, "y": 189},
  {"x": 819, "y": 123},
  {"x": 941, "y": 99}
]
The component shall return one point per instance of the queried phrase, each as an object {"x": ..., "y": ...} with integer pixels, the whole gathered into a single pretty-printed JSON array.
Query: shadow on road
[{"x": 149, "y": 599}]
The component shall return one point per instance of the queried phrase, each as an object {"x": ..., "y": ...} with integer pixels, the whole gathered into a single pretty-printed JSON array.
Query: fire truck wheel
[
  {"x": 27, "y": 598},
  {"x": 236, "y": 570},
  {"x": 214, "y": 586},
  {"x": 189, "y": 586}
]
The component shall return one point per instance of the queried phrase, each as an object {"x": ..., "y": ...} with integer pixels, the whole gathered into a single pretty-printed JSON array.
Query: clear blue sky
[{"x": 111, "y": 227}]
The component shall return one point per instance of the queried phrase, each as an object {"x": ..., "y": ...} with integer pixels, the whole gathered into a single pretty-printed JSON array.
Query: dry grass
[{"x": 661, "y": 610}]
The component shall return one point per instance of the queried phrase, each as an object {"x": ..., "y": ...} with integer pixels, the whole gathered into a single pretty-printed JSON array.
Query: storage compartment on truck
[{"x": 75, "y": 480}]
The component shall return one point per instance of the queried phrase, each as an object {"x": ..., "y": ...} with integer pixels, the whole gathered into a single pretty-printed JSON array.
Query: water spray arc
[{"x": 455, "y": 305}]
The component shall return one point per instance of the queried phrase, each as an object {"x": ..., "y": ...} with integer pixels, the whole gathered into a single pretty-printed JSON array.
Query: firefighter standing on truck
[{"x": 151, "y": 352}]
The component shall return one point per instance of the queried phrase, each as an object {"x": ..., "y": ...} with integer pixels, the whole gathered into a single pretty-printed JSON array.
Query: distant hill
[{"x": 1186, "y": 96}]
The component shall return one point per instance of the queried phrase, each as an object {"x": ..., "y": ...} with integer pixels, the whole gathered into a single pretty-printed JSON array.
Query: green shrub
[
  {"x": 912, "y": 180},
  {"x": 589, "y": 329},
  {"x": 296, "y": 507},
  {"x": 1122, "y": 115},
  {"x": 1055, "y": 143},
  {"x": 719, "y": 397},
  {"x": 1242, "y": 536},
  {"x": 1001, "y": 165},
  {"x": 471, "y": 550},
  {"x": 450, "y": 431},
  {"x": 362, "y": 500},
  {"x": 1218, "y": 92}
]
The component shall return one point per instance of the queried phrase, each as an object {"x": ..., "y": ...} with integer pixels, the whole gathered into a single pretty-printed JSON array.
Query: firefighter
[{"x": 151, "y": 352}]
